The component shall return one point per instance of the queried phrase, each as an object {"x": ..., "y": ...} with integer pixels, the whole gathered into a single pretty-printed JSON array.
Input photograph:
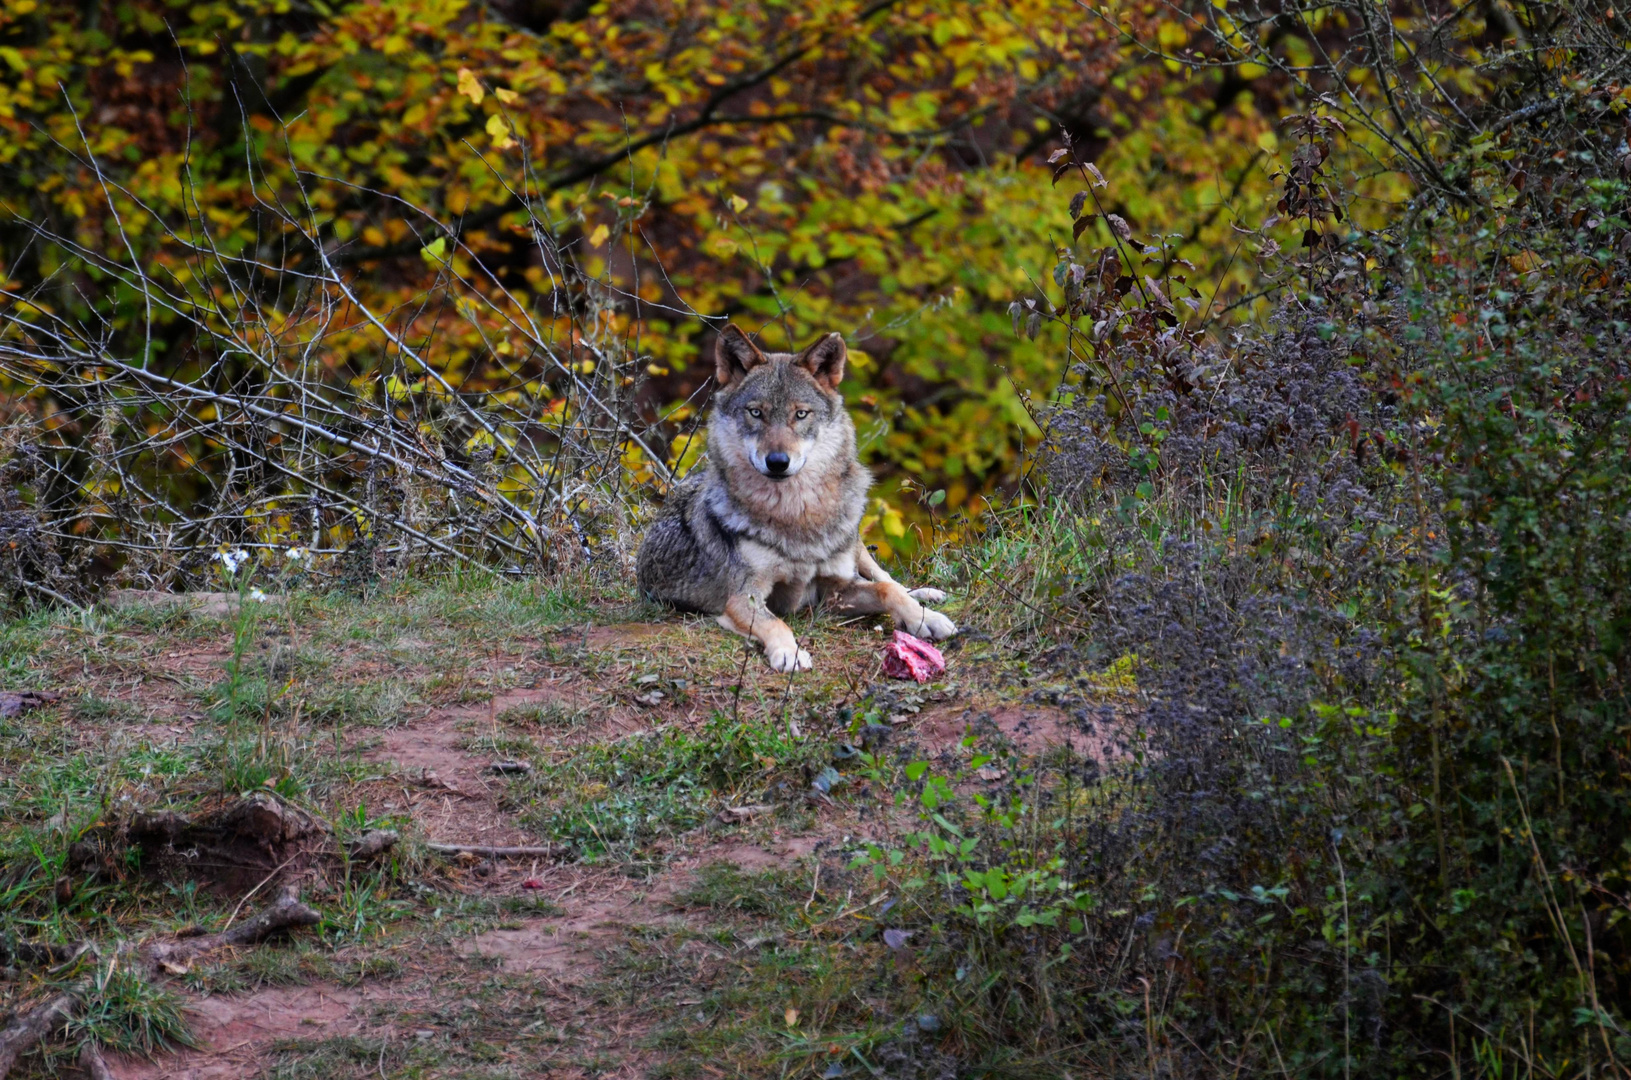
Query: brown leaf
[
  {"x": 1077, "y": 201},
  {"x": 1119, "y": 224},
  {"x": 1081, "y": 225}
]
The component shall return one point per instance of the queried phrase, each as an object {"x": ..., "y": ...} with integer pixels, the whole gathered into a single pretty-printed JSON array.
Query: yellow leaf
[
  {"x": 469, "y": 87},
  {"x": 738, "y": 204},
  {"x": 500, "y": 132},
  {"x": 598, "y": 237},
  {"x": 508, "y": 97}
]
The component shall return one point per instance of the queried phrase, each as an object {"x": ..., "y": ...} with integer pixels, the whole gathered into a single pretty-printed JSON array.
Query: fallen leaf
[
  {"x": 827, "y": 779},
  {"x": 792, "y": 1017}
]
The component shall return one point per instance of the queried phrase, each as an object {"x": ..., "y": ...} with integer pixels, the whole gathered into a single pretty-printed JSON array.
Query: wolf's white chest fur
[{"x": 767, "y": 567}]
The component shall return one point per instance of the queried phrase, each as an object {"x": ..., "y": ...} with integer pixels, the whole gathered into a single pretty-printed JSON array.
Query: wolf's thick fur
[{"x": 771, "y": 524}]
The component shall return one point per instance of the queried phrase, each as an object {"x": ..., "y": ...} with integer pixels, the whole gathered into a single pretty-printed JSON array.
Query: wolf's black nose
[{"x": 776, "y": 463}]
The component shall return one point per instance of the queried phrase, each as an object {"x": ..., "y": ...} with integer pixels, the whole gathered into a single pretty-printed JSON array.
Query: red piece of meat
[{"x": 907, "y": 657}]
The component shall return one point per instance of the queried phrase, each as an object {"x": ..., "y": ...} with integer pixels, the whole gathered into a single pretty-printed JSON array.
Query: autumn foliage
[{"x": 876, "y": 168}]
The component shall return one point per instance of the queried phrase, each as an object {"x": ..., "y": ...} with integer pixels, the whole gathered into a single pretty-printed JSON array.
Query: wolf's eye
[
  {"x": 801, "y": 414},
  {"x": 757, "y": 414}
]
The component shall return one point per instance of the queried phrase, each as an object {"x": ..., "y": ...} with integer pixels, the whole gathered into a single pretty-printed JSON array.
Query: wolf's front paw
[
  {"x": 932, "y": 627},
  {"x": 927, "y": 596},
  {"x": 794, "y": 659}
]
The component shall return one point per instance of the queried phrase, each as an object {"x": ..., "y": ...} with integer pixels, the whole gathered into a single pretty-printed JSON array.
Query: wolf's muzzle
[{"x": 777, "y": 464}]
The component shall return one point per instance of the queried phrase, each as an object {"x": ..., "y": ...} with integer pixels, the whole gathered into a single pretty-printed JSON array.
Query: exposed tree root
[
  {"x": 28, "y": 1029},
  {"x": 371, "y": 844},
  {"x": 286, "y": 912},
  {"x": 261, "y": 834},
  {"x": 548, "y": 851},
  {"x": 91, "y": 1063}
]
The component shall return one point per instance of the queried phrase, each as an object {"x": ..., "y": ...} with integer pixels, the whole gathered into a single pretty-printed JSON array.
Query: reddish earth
[
  {"x": 1033, "y": 729},
  {"x": 427, "y": 772},
  {"x": 232, "y": 1030}
]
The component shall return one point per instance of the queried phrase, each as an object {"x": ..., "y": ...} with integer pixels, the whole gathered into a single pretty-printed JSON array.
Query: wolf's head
[{"x": 780, "y": 412}]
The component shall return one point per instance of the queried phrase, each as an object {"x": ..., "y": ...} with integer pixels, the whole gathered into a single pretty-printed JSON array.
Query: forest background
[
  {"x": 1267, "y": 361},
  {"x": 521, "y": 203}
]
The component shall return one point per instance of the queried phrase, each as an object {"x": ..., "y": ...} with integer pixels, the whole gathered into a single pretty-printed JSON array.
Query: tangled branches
[{"x": 162, "y": 396}]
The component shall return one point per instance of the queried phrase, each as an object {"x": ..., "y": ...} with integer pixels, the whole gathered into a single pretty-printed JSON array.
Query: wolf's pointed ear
[
  {"x": 734, "y": 355},
  {"x": 825, "y": 360}
]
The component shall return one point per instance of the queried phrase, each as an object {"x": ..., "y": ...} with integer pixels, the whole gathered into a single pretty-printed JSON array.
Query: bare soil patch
[
  {"x": 1033, "y": 730},
  {"x": 212, "y": 605},
  {"x": 629, "y": 635},
  {"x": 536, "y": 961},
  {"x": 233, "y": 1030}
]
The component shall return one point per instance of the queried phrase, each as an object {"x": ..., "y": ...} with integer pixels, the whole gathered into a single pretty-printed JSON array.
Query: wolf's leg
[
  {"x": 749, "y": 617},
  {"x": 867, "y": 566},
  {"x": 873, "y": 597},
  {"x": 869, "y": 569}
]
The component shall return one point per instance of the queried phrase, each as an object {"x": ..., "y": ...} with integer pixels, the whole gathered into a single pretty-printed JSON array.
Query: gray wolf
[{"x": 771, "y": 524}]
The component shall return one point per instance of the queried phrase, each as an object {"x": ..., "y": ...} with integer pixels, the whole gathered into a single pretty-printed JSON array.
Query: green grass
[
  {"x": 543, "y": 716},
  {"x": 725, "y": 888},
  {"x": 127, "y": 1013},
  {"x": 610, "y": 799}
]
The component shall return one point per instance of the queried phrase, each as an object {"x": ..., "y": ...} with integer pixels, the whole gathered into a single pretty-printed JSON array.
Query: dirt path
[{"x": 634, "y": 739}]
